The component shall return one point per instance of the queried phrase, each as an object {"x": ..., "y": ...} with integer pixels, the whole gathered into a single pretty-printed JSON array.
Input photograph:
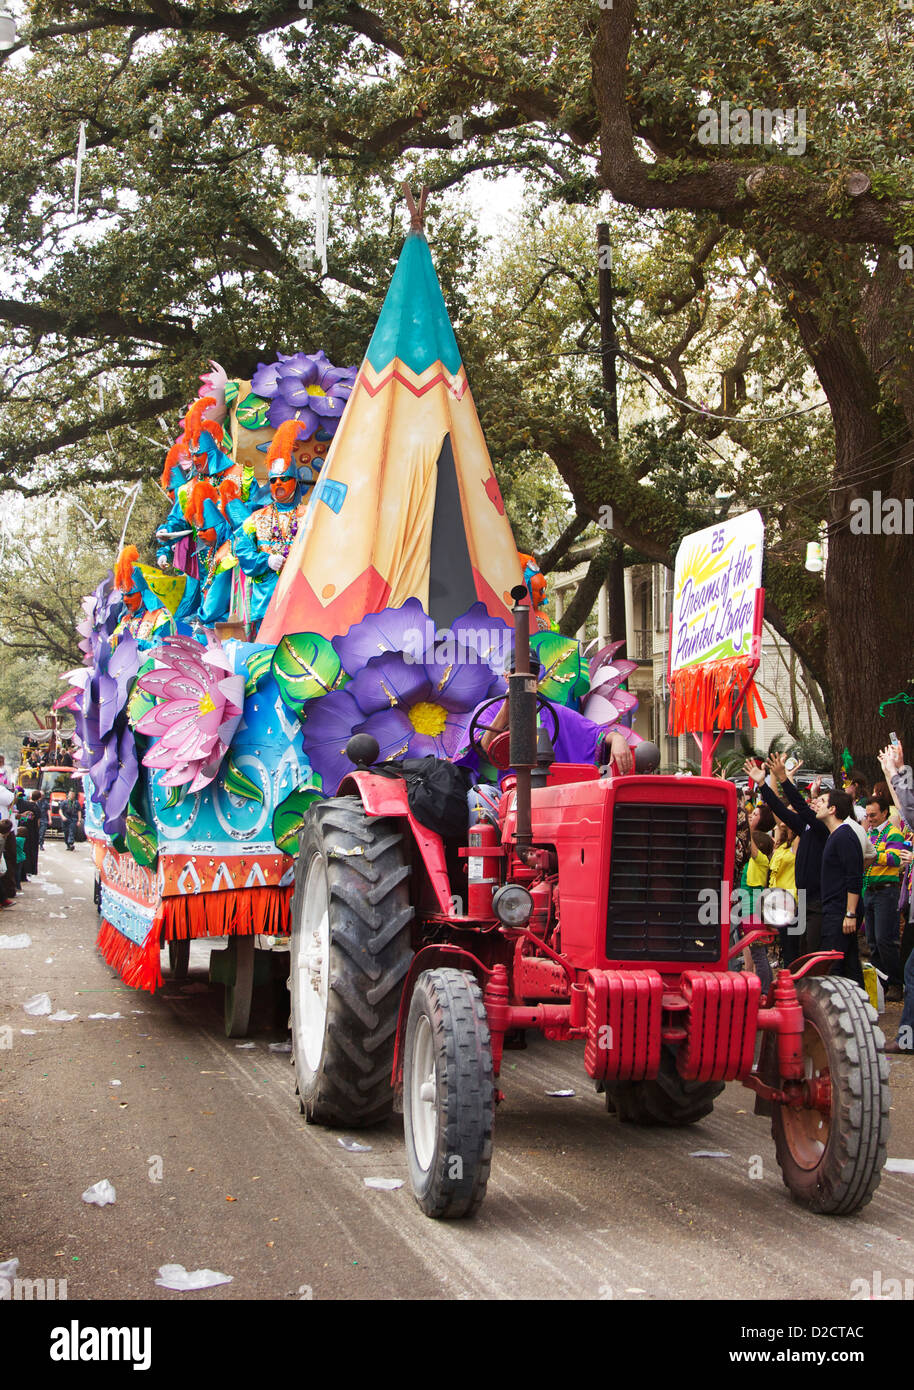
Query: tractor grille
[{"x": 662, "y": 859}]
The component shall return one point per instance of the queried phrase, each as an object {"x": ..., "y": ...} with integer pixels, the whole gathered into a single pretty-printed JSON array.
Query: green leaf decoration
[
  {"x": 258, "y": 664},
  {"x": 304, "y": 667},
  {"x": 231, "y": 391},
  {"x": 252, "y": 412},
  {"x": 142, "y": 841},
  {"x": 138, "y": 701},
  {"x": 289, "y": 816},
  {"x": 239, "y": 784},
  {"x": 174, "y": 796},
  {"x": 566, "y": 678}
]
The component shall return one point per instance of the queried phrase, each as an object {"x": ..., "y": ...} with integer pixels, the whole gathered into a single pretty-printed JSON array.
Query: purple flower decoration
[
  {"x": 413, "y": 688},
  {"x": 108, "y": 750},
  {"x": 101, "y": 611},
  {"x": 305, "y": 387}
]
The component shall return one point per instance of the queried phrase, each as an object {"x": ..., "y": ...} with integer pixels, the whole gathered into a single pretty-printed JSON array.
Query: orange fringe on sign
[
  {"x": 237, "y": 912},
  {"x": 713, "y": 696}
]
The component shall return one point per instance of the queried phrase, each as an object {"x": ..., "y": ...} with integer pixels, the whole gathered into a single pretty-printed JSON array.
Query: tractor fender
[
  {"x": 427, "y": 959},
  {"x": 386, "y": 796}
]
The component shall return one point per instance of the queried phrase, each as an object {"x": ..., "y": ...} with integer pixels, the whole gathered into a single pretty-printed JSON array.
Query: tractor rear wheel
[
  {"x": 349, "y": 952},
  {"x": 448, "y": 1094},
  {"x": 665, "y": 1100},
  {"x": 831, "y": 1154}
]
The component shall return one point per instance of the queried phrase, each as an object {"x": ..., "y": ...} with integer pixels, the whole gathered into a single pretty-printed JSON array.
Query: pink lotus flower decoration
[
  {"x": 200, "y": 704},
  {"x": 605, "y": 701}
]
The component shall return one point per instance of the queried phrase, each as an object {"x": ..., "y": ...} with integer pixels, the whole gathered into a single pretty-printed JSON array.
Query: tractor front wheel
[
  {"x": 349, "y": 953},
  {"x": 448, "y": 1094},
  {"x": 666, "y": 1100},
  {"x": 831, "y": 1151}
]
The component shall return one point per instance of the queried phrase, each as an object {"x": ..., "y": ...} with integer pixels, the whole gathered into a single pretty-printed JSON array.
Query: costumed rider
[
  {"x": 535, "y": 581},
  {"x": 211, "y": 463},
  {"x": 156, "y": 605},
  {"x": 215, "y": 560},
  {"x": 178, "y": 471},
  {"x": 263, "y": 542}
]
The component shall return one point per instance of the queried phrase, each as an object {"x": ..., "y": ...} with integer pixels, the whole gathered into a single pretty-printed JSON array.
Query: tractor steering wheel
[{"x": 476, "y": 731}]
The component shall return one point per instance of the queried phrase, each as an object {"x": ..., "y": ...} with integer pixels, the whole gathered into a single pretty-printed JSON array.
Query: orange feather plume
[
  {"x": 194, "y": 422},
  {"x": 200, "y": 492},
  {"x": 123, "y": 575},
  {"x": 229, "y": 491},
  {"x": 283, "y": 440},
  {"x": 172, "y": 460}
]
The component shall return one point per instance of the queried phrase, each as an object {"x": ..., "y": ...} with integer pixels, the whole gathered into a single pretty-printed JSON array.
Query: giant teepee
[{"x": 407, "y": 504}]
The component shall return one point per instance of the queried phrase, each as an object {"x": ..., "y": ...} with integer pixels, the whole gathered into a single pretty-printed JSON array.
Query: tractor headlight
[
  {"x": 512, "y": 905},
  {"x": 779, "y": 908}
]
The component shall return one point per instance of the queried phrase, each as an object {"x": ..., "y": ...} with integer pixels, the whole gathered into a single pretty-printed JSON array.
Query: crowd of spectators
[
  {"x": 846, "y": 857},
  {"x": 53, "y": 753}
]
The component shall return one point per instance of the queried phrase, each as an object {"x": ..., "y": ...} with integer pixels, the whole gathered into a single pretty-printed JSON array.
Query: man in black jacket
[
  {"x": 842, "y": 883},
  {"x": 70, "y": 813},
  {"x": 813, "y": 837}
]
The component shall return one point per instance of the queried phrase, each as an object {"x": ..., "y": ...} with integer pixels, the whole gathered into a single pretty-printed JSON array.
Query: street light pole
[{"x": 609, "y": 349}]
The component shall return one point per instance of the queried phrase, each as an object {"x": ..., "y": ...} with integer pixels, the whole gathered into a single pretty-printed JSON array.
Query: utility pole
[{"x": 609, "y": 348}]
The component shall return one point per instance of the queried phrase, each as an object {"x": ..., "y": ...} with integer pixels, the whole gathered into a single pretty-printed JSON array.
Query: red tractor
[{"x": 586, "y": 917}]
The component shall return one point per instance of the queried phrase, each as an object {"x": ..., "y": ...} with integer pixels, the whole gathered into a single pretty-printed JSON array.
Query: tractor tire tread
[
  {"x": 370, "y": 955},
  {"x": 858, "y": 1140}
]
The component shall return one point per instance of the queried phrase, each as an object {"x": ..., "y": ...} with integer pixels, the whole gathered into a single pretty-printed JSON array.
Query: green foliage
[
  {"x": 814, "y": 751},
  {"x": 289, "y": 816},
  {"x": 305, "y": 666}
]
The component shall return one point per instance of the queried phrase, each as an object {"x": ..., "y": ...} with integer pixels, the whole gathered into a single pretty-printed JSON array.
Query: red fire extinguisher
[{"x": 482, "y": 868}]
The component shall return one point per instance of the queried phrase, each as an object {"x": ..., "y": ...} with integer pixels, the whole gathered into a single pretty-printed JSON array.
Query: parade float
[{"x": 336, "y": 560}]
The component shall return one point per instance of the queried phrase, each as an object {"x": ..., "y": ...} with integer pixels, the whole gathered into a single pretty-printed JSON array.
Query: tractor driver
[{"x": 579, "y": 741}]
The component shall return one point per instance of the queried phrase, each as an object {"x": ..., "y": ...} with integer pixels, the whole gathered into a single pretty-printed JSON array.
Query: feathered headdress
[
  {"x": 282, "y": 442},
  {"x": 123, "y": 575},
  {"x": 194, "y": 423},
  {"x": 173, "y": 460},
  {"x": 201, "y": 491}
]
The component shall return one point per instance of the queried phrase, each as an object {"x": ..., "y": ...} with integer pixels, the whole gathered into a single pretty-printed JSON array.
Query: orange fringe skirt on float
[
  {"x": 236, "y": 912},
  {"x": 712, "y": 695}
]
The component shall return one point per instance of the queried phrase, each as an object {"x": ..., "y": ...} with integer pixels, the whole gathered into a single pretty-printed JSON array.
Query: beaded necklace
[{"x": 276, "y": 530}]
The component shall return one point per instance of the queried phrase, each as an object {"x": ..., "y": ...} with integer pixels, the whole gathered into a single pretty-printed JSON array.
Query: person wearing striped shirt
[{"x": 881, "y": 883}]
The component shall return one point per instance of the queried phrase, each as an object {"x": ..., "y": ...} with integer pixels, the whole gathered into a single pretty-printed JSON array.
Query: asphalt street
[{"x": 215, "y": 1168}]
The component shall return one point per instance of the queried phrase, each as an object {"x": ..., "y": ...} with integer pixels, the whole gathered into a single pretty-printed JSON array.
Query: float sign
[{"x": 718, "y": 574}]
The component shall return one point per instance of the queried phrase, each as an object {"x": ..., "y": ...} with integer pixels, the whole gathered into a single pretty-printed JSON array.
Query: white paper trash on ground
[
  {"x": 899, "y": 1165},
  {"x": 100, "y": 1194},
  {"x": 186, "y": 1281},
  {"x": 384, "y": 1184},
  {"x": 15, "y": 943},
  {"x": 104, "y": 1015},
  {"x": 61, "y": 1016},
  {"x": 38, "y": 1005}
]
